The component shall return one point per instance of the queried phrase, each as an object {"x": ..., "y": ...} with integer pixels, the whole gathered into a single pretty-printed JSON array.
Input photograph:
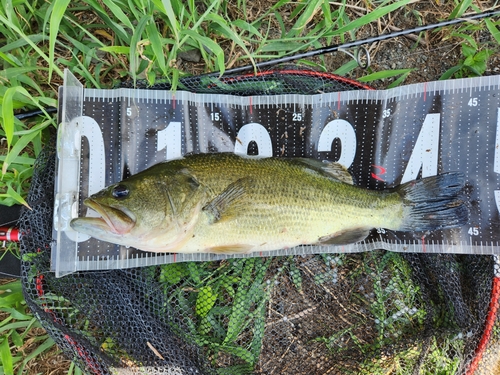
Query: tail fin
[{"x": 434, "y": 203}]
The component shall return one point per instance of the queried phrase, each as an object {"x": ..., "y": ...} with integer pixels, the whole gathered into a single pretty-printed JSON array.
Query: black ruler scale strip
[{"x": 384, "y": 137}]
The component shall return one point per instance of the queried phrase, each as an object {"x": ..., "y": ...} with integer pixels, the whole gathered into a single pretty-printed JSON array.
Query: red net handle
[{"x": 9, "y": 234}]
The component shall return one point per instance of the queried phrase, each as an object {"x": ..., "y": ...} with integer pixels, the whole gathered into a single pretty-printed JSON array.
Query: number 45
[
  {"x": 473, "y": 231},
  {"x": 472, "y": 102}
]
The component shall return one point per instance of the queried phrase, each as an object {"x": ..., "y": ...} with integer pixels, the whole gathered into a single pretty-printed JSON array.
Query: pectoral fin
[
  {"x": 345, "y": 237},
  {"x": 228, "y": 203}
]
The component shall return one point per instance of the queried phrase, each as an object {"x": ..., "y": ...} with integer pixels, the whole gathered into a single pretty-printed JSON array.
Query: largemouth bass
[{"x": 224, "y": 203}]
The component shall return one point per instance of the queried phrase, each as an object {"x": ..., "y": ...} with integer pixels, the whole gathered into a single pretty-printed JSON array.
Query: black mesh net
[
  {"x": 366, "y": 313},
  {"x": 282, "y": 80}
]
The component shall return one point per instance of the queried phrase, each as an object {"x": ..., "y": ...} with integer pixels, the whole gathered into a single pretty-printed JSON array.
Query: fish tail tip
[{"x": 434, "y": 203}]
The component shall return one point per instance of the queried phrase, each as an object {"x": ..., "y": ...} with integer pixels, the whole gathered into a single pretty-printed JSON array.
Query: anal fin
[{"x": 345, "y": 237}]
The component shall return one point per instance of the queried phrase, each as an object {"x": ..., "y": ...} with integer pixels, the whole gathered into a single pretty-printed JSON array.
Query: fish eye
[{"x": 120, "y": 191}]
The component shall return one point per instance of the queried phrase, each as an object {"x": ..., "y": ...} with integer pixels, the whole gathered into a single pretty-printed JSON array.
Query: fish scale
[{"x": 302, "y": 207}]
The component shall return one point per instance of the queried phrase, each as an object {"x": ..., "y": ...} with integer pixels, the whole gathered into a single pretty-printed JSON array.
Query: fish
[{"x": 225, "y": 203}]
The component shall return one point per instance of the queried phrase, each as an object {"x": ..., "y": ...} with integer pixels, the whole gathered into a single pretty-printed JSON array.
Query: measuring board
[{"x": 384, "y": 137}]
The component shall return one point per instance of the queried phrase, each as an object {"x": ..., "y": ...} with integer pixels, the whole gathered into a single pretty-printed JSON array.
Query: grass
[
  {"x": 227, "y": 303},
  {"x": 106, "y": 42},
  {"x": 22, "y": 338},
  {"x": 397, "y": 317}
]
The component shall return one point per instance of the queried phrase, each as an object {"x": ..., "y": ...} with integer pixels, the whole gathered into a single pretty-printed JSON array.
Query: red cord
[{"x": 488, "y": 328}]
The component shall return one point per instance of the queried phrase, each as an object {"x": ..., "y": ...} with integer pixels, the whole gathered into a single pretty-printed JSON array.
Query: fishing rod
[
  {"x": 356, "y": 43},
  {"x": 35, "y": 112}
]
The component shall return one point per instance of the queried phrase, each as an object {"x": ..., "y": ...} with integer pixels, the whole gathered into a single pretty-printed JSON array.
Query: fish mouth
[{"x": 115, "y": 220}]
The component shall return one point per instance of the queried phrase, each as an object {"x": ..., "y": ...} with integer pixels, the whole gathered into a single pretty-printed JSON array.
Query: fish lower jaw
[{"x": 93, "y": 226}]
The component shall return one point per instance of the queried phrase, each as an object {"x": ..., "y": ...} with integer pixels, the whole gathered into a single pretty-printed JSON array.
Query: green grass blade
[
  {"x": 259, "y": 329},
  {"x": 30, "y": 40},
  {"x": 134, "y": 41},
  {"x": 239, "y": 352},
  {"x": 281, "y": 46},
  {"x": 12, "y": 288},
  {"x": 281, "y": 23},
  {"x": 156, "y": 44},
  {"x": 12, "y": 197},
  {"x": 6, "y": 357},
  {"x": 198, "y": 23},
  {"x": 74, "y": 369},
  {"x": 136, "y": 9},
  {"x": 166, "y": 7},
  {"x": 118, "y": 13},
  {"x": 205, "y": 42},
  {"x": 460, "y": 9},
  {"x": 58, "y": 10},
  {"x": 23, "y": 160},
  {"x": 346, "y": 68},
  {"x": 468, "y": 38},
  {"x": 8, "y": 59},
  {"x": 11, "y": 13},
  {"x": 241, "y": 303},
  {"x": 16, "y": 325},
  {"x": 9, "y": 121},
  {"x": 384, "y": 74},
  {"x": 8, "y": 115},
  {"x": 117, "y": 28},
  {"x": 46, "y": 345},
  {"x": 16, "y": 338},
  {"x": 401, "y": 79},
  {"x": 230, "y": 34},
  {"x": 11, "y": 299},
  {"x": 16, "y": 314},
  {"x": 21, "y": 42},
  {"x": 310, "y": 10},
  {"x": 44, "y": 101},
  {"x": 27, "y": 81},
  {"x": 205, "y": 301},
  {"x": 495, "y": 33},
  {"x": 17, "y": 148},
  {"x": 371, "y": 16},
  {"x": 116, "y": 49},
  {"x": 240, "y": 24}
]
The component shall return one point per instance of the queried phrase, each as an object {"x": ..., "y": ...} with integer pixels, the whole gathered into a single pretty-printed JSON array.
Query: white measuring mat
[{"x": 384, "y": 137}]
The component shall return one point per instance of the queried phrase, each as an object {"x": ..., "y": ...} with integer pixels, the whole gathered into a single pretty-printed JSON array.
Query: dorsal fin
[{"x": 331, "y": 169}]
